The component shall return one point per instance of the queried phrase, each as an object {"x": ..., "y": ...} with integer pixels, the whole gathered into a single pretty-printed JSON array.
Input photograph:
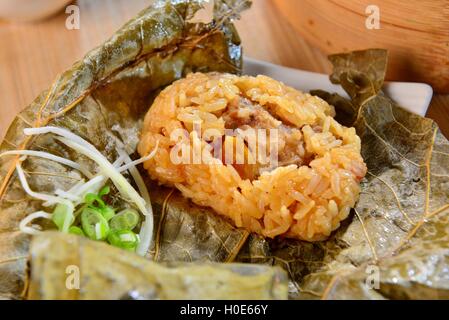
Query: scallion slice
[
  {"x": 94, "y": 224},
  {"x": 125, "y": 220},
  {"x": 76, "y": 230},
  {"x": 63, "y": 217},
  {"x": 124, "y": 239}
]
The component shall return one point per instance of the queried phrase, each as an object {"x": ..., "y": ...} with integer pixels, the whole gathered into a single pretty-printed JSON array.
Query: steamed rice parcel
[{"x": 311, "y": 179}]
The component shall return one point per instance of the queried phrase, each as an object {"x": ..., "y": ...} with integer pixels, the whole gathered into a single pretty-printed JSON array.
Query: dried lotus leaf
[
  {"x": 102, "y": 96},
  {"x": 396, "y": 243},
  {"x": 95, "y": 270},
  {"x": 187, "y": 232}
]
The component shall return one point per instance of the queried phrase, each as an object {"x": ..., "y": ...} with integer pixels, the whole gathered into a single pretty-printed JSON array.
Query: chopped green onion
[
  {"x": 104, "y": 191},
  {"x": 124, "y": 239},
  {"x": 107, "y": 212},
  {"x": 146, "y": 230},
  {"x": 76, "y": 230},
  {"x": 91, "y": 198},
  {"x": 63, "y": 217},
  {"x": 95, "y": 226},
  {"x": 95, "y": 202},
  {"x": 125, "y": 220},
  {"x": 95, "y": 214}
]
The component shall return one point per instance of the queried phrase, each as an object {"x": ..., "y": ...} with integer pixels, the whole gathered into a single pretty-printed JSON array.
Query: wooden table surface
[{"x": 31, "y": 55}]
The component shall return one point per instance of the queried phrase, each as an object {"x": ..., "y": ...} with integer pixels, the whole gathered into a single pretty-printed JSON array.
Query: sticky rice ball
[{"x": 301, "y": 186}]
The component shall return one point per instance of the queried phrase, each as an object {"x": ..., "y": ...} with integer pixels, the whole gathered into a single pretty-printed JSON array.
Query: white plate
[{"x": 412, "y": 96}]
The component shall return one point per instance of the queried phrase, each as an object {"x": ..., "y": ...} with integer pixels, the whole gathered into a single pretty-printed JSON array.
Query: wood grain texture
[
  {"x": 32, "y": 55},
  {"x": 415, "y": 32}
]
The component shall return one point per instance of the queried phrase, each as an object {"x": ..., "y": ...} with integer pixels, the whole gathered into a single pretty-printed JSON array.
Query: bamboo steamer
[{"x": 415, "y": 32}]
